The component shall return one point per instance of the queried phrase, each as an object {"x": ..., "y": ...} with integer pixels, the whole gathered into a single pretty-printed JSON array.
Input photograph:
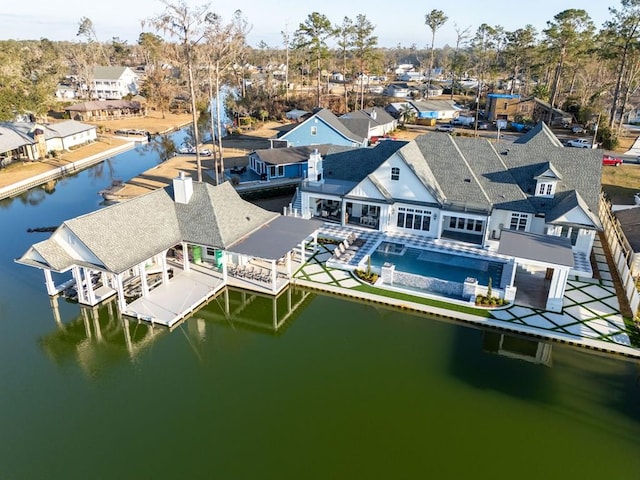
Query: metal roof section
[
  {"x": 276, "y": 238},
  {"x": 537, "y": 247}
]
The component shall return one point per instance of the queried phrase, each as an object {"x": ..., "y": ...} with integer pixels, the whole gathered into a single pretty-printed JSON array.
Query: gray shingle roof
[
  {"x": 108, "y": 73},
  {"x": 98, "y": 105},
  {"x": 630, "y": 222},
  {"x": 453, "y": 172},
  {"x": 11, "y": 139},
  {"x": 540, "y": 134},
  {"x": 66, "y": 129},
  {"x": 354, "y": 165},
  {"x": 358, "y": 125},
  {"x": 217, "y": 216},
  {"x": 124, "y": 235},
  {"x": 281, "y": 156},
  {"x": 334, "y": 122}
]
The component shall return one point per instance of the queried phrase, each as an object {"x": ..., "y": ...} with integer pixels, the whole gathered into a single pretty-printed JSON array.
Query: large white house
[
  {"x": 113, "y": 83},
  {"x": 470, "y": 191}
]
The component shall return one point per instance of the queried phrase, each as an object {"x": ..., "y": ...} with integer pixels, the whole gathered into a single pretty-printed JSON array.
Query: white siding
[
  {"x": 408, "y": 187},
  {"x": 366, "y": 189}
]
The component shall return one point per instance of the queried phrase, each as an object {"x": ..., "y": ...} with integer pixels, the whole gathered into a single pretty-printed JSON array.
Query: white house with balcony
[{"x": 113, "y": 83}]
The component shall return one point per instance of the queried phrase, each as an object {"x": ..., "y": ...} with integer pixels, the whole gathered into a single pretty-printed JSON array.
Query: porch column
[
  {"x": 224, "y": 266},
  {"x": 90, "y": 291},
  {"x": 122, "y": 302},
  {"x": 513, "y": 273},
  {"x": 556, "y": 291},
  {"x": 303, "y": 248},
  {"x": 104, "y": 279},
  {"x": 274, "y": 303},
  {"x": 48, "y": 281},
  {"x": 274, "y": 276},
  {"x": 144, "y": 286},
  {"x": 289, "y": 272},
  {"x": 165, "y": 269},
  {"x": 77, "y": 276},
  {"x": 185, "y": 256}
]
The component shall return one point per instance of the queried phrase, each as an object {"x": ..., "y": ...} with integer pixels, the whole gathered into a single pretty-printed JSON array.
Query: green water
[
  {"x": 340, "y": 390},
  {"x": 337, "y": 390}
]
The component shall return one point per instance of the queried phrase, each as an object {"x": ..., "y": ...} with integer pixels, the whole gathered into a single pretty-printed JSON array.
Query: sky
[{"x": 402, "y": 24}]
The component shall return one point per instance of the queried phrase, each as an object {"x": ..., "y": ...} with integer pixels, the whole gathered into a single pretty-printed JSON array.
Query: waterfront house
[
  {"x": 323, "y": 127},
  {"x": 426, "y": 110},
  {"x": 286, "y": 163},
  {"x": 34, "y": 141},
  {"x": 105, "y": 110},
  {"x": 166, "y": 252},
  {"x": 470, "y": 191},
  {"x": 113, "y": 83}
]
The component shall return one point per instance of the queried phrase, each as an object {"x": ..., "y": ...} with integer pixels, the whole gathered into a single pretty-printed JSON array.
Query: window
[
  {"x": 466, "y": 224},
  {"x": 571, "y": 233},
  {"x": 518, "y": 221},
  {"x": 314, "y": 131},
  {"x": 545, "y": 189},
  {"x": 414, "y": 219},
  {"x": 395, "y": 173}
]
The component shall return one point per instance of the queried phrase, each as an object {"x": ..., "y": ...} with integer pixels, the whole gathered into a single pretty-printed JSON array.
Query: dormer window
[
  {"x": 545, "y": 189},
  {"x": 395, "y": 173}
]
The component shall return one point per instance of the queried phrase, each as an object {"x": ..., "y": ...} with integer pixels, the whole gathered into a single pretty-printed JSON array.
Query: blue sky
[{"x": 395, "y": 23}]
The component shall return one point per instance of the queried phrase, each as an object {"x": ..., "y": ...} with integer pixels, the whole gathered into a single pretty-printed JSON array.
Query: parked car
[
  {"x": 576, "y": 129},
  {"x": 579, "y": 143},
  {"x": 445, "y": 128},
  {"x": 610, "y": 160}
]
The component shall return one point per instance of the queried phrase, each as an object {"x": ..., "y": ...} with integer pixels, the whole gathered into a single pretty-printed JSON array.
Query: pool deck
[{"x": 590, "y": 318}]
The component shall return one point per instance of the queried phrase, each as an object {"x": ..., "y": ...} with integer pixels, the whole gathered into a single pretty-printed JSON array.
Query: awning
[
  {"x": 275, "y": 239},
  {"x": 536, "y": 247}
]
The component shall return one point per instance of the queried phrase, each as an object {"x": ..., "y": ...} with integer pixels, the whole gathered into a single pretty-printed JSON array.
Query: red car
[{"x": 609, "y": 160}]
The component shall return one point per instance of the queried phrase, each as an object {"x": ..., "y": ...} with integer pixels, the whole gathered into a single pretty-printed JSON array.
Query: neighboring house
[
  {"x": 192, "y": 229},
  {"x": 370, "y": 122},
  {"x": 629, "y": 220},
  {"x": 15, "y": 145},
  {"x": 65, "y": 92},
  {"x": 105, "y": 110},
  {"x": 465, "y": 190},
  {"x": 426, "y": 109},
  {"x": 514, "y": 108},
  {"x": 37, "y": 140},
  {"x": 113, "y": 83},
  {"x": 398, "y": 90},
  {"x": 323, "y": 127},
  {"x": 281, "y": 163}
]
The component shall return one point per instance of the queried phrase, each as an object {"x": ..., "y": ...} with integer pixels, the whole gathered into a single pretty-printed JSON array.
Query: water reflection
[
  {"x": 99, "y": 337},
  {"x": 517, "y": 347}
]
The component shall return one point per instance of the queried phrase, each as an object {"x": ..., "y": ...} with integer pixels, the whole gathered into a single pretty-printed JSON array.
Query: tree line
[{"x": 188, "y": 52}]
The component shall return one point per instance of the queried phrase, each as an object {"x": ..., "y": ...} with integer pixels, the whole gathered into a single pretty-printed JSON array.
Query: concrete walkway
[{"x": 590, "y": 318}]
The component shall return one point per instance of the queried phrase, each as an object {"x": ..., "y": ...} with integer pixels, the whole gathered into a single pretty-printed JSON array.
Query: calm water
[{"x": 329, "y": 389}]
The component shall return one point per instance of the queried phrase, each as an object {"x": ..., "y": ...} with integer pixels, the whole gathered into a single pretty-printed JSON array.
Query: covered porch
[{"x": 543, "y": 263}]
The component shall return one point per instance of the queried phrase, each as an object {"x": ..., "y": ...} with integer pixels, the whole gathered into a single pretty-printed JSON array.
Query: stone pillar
[
  {"x": 469, "y": 288},
  {"x": 556, "y": 291},
  {"x": 510, "y": 293},
  {"x": 387, "y": 272}
]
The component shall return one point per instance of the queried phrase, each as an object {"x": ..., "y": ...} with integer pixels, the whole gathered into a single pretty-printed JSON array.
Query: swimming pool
[{"x": 441, "y": 265}]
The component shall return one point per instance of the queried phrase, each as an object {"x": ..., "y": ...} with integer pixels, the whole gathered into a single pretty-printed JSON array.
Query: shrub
[{"x": 368, "y": 277}]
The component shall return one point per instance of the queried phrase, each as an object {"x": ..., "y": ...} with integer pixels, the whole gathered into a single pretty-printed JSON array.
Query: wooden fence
[{"x": 621, "y": 252}]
